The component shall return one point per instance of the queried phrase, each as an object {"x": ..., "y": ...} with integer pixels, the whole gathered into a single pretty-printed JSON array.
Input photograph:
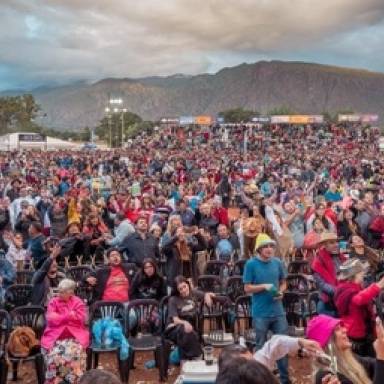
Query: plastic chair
[
  {"x": 5, "y": 330},
  {"x": 100, "y": 310},
  {"x": 217, "y": 268},
  {"x": 297, "y": 313},
  {"x": 208, "y": 283},
  {"x": 238, "y": 268},
  {"x": 18, "y": 295},
  {"x": 299, "y": 267},
  {"x": 144, "y": 331},
  {"x": 33, "y": 317},
  {"x": 234, "y": 287},
  {"x": 215, "y": 321},
  {"x": 243, "y": 321},
  {"x": 78, "y": 273},
  {"x": 298, "y": 283},
  {"x": 24, "y": 277}
]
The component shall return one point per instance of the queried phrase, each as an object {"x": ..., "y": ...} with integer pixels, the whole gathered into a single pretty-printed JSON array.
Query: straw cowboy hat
[
  {"x": 327, "y": 236},
  {"x": 251, "y": 188}
]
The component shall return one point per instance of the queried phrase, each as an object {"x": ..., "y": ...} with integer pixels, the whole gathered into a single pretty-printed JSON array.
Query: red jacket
[
  {"x": 221, "y": 215},
  {"x": 355, "y": 308},
  {"x": 323, "y": 265}
]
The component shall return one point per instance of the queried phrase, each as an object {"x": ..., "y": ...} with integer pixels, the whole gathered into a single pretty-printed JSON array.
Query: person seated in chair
[
  {"x": 182, "y": 313},
  {"x": 111, "y": 283},
  {"x": 66, "y": 336}
]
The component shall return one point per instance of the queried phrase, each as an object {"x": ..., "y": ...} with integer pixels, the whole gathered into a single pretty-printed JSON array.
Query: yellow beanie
[{"x": 262, "y": 240}]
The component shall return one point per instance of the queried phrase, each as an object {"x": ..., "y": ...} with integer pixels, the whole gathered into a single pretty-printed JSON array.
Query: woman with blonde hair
[{"x": 338, "y": 364}]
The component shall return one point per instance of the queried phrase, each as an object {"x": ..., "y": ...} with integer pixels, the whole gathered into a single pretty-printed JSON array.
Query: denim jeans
[
  {"x": 326, "y": 309},
  {"x": 278, "y": 326}
]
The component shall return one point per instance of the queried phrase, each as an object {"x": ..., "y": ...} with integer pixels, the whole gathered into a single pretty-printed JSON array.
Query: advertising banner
[
  {"x": 261, "y": 119},
  {"x": 349, "y": 118},
  {"x": 203, "y": 120},
  {"x": 169, "y": 120},
  {"x": 32, "y": 137},
  {"x": 298, "y": 119},
  {"x": 186, "y": 120},
  {"x": 371, "y": 118},
  {"x": 316, "y": 119},
  {"x": 280, "y": 119}
]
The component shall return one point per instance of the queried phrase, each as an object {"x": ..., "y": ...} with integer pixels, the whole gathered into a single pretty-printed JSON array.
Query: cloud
[{"x": 46, "y": 41}]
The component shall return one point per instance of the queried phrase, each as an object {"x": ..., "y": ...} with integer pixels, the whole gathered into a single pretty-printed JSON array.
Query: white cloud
[{"x": 62, "y": 40}]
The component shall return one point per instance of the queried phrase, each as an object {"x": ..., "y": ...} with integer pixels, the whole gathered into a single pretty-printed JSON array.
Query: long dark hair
[
  {"x": 179, "y": 280},
  {"x": 141, "y": 276}
]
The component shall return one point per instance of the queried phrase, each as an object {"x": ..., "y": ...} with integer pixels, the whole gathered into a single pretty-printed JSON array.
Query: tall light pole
[
  {"x": 123, "y": 111},
  {"x": 115, "y": 107},
  {"x": 108, "y": 110}
]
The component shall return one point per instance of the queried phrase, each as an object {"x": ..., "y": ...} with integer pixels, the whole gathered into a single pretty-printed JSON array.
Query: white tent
[{"x": 30, "y": 140}]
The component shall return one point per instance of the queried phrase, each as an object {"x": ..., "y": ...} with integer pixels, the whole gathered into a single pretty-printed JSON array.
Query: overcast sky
[{"x": 45, "y": 42}]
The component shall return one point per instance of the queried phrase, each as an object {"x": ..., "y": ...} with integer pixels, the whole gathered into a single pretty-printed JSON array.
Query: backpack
[{"x": 22, "y": 341}]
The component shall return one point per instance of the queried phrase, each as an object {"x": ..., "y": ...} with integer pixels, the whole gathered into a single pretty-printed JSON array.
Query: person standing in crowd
[
  {"x": 17, "y": 255},
  {"x": 264, "y": 278},
  {"x": 35, "y": 244},
  {"x": 348, "y": 368},
  {"x": 325, "y": 266},
  {"x": 123, "y": 228},
  {"x": 141, "y": 244},
  {"x": 293, "y": 218},
  {"x": 224, "y": 243},
  {"x": 179, "y": 250},
  {"x": 186, "y": 214},
  {"x": 354, "y": 305},
  {"x": 365, "y": 254}
]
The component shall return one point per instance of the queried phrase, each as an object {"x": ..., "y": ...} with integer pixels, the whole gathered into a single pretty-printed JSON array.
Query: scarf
[{"x": 185, "y": 253}]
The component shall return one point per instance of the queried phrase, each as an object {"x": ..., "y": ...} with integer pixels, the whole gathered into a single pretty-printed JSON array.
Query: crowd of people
[{"x": 146, "y": 218}]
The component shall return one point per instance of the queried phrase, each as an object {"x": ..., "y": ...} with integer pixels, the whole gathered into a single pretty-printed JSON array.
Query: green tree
[
  {"x": 237, "y": 115},
  {"x": 18, "y": 113},
  {"x": 113, "y": 126},
  {"x": 283, "y": 110}
]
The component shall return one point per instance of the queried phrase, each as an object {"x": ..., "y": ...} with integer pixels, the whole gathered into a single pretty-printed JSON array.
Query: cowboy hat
[{"x": 327, "y": 236}]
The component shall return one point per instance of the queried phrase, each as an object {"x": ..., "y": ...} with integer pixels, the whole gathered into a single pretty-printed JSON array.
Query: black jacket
[
  {"x": 41, "y": 283},
  {"x": 174, "y": 265},
  {"x": 148, "y": 287},
  {"x": 136, "y": 249},
  {"x": 102, "y": 276}
]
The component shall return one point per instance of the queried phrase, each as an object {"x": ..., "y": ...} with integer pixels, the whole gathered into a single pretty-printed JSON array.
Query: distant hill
[{"x": 303, "y": 87}]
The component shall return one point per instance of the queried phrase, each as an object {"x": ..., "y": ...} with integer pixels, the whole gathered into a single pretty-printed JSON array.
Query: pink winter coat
[{"x": 65, "y": 318}]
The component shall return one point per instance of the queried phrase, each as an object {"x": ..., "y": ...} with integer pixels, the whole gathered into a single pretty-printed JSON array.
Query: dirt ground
[{"x": 300, "y": 370}]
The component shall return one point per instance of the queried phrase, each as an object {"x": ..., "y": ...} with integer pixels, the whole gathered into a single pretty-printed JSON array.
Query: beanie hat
[
  {"x": 321, "y": 328},
  {"x": 262, "y": 240}
]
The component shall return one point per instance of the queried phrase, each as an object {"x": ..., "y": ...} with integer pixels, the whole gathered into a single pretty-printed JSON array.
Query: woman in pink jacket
[{"x": 65, "y": 337}]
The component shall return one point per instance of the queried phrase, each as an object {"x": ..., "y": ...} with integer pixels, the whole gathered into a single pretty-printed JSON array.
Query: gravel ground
[{"x": 300, "y": 370}]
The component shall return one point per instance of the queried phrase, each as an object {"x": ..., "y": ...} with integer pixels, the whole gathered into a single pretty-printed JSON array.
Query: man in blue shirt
[{"x": 264, "y": 278}]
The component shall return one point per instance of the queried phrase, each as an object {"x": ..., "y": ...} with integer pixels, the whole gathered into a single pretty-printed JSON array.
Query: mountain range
[{"x": 305, "y": 88}]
